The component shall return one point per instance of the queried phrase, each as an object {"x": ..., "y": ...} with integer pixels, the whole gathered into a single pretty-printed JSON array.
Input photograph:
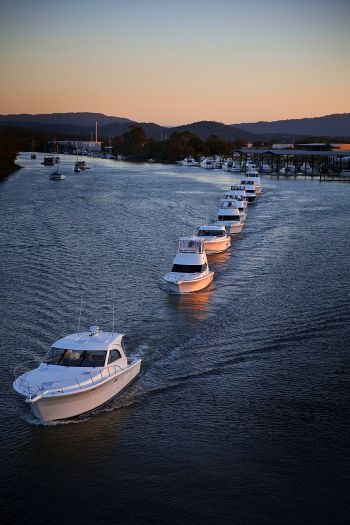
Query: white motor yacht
[
  {"x": 239, "y": 191},
  {"x": 265, "y": 168},
  {"x": 208, "y": 164},
  {"x": 188, "y": 162},
  {"x": 80, "y": 373},
  {"x": 306, "y": 169},
  {"x": 253, "y": 174},
  {"x": 230, "y": 216},
  {"x": 236, "y": 167},
  {"x": 190, "y": 271},
  {"x": 249, "y": 188},
  {"x": 216, "y": 238},
  {"x": 240, "y": 203}
]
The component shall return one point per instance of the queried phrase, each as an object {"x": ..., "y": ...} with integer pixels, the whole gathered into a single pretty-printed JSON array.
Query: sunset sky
[{"x": 178, "y": 61}]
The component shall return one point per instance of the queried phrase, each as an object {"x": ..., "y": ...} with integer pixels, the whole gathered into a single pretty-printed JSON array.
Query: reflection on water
[{"x": 193, "y": 306}]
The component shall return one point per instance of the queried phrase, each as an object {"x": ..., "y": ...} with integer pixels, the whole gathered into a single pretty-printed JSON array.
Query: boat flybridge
[
  {"x": 216, "y": 238},
  {"x": 253, "y": 174},
  {"x": 249, "y": 188},
  {"x": 230, "y": 216},
  {"x": 190, "y": 271},
  {"x": 80, "y": 373},
  {"x": 239, "y": 202},
  {"x": 239, "y": 191}
]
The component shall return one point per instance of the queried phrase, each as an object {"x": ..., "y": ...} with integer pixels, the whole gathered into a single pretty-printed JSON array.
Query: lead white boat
[
  {"x": 216, "y": 238},
  {"x": 249, "y": 188},
  {"x": 190, "y": 271},
  {"x": 80, "y": 373},
  {"x": 230, "y": 216}
]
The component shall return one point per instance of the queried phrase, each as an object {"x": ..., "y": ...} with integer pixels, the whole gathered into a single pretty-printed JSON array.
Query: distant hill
[
  {"x": 205, "y": 128},
  {"x": 82, "y": 125},
  {"x": 337, "y": 125},
  {"x": 63, "y": 119}
]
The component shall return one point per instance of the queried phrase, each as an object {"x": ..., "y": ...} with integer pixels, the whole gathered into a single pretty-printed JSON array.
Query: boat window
[
  {"x": 67, "y": 357},
  {"x": 211, "y": 233},
  {"x": 54, "y": 356},
  {"x": 94, "y": 358},
  {"x": 113, "y": 356},
  {"x": 189, "y": 268},
  {"x": 228, "y": 217},
  {"x": 72, "y": 358}
]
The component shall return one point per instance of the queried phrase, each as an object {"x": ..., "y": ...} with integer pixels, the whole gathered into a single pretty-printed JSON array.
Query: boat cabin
[
  {"x": 92, "y": 349},
  {"x": 212, "y": 231}
]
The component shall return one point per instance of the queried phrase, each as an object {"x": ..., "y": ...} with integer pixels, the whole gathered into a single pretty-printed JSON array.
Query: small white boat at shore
[
  {"x": 80, "y": 373},
  {"x": 230, "y": 216},
  {"x": 189, "y": 162},
  {"x": 216, "y": 238},
  {"x": 236, "y": 167},
  {"x": 265, "y": 168},
  {"x": 208, "y": 164},
  {"x": 190, "y": 271}
]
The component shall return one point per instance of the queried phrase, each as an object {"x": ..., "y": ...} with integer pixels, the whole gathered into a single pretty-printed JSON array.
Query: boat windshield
[
  {"x": 189, "y": 268},
  {"x": 67, "y": 357},
  {"x": 211, "y": 233},
  {"x": 228, "y": 218}
]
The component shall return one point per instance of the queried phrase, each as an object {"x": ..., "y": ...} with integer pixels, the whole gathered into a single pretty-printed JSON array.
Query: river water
[{"x": 241, "y": 412}]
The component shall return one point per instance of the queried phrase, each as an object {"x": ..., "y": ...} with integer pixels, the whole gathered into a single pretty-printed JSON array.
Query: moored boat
[
  {"x": 190, "y": 272},
  {"x": 57, "y": 175},
  {"x": 49, "y": 160},
  {"x": 80, "y": 373}
]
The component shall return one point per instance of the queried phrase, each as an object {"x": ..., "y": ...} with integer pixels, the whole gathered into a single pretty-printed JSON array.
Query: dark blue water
[{"x": 241, "y": 413}]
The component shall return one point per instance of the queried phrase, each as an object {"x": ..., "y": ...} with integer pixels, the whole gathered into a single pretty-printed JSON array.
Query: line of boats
[
  {"x": 238, "y": 166},
  {"x": 85, "y": 370},
  {"x": 190, "y": 271}
]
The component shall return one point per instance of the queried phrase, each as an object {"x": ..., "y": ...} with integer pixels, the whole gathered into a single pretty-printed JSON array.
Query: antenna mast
[
  {"x": 113, "y": 312},
  {"x": 81, "y": 306}
]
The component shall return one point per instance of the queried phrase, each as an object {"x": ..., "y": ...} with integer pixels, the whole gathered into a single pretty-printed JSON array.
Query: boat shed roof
[{"x": 295, "y": 152}]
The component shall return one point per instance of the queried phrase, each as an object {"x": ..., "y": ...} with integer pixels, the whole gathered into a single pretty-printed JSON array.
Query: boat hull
[
  {"x": 186, "y": 287},
  {"x": 220, "y": 246},
  {"x": 232, "y": 227},
  {"x": 251, "y": 199},
  {"x": 57, "y": 407}
]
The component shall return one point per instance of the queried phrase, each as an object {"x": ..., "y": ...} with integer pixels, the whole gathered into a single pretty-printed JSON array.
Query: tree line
[{"x": 135, "y": 145}]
